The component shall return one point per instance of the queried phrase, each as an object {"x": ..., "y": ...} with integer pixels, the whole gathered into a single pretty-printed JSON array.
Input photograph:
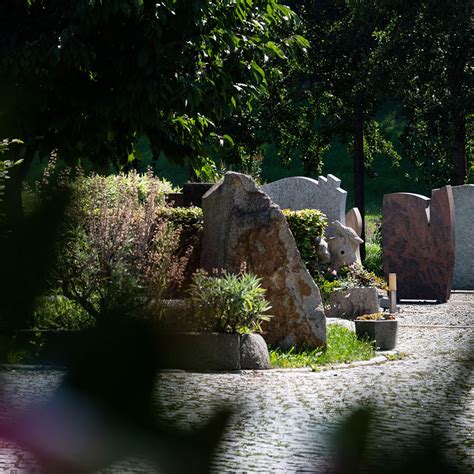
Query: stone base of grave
[
  {"x": 348, "y": 304},
  {"x": 188, "y": 351},
  {"x": 214, "y": 351}
]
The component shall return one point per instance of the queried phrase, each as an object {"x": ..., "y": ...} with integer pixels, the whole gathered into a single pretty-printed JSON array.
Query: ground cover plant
[{"x": 342, "y": 346}]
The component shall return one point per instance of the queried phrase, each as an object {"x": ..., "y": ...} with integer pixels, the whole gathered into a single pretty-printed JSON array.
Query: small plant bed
[
  {"x": 376, "y": 317},
  {"x": 379, "y": 327},
  {"x": 342, "y": 346}
]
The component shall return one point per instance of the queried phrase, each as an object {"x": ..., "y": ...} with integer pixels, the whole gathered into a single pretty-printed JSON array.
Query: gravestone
[
  {"x": 242, "y": 224},
  {"x": 464, "y": 230},
  {"x": 299, "y": 192},
  {"x": 418, "y": 243},
  {"x": 354, "y": 221}
]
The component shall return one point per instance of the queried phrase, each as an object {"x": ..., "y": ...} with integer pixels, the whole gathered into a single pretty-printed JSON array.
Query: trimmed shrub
[
  {"x": 307, "y": 227},
  {"x": 188, "y": 221}
]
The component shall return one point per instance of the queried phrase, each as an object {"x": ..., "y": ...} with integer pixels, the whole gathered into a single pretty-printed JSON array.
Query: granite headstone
[
  {"x": 464, "y": 230},
  {"x": 299, "y": 192},
  {"x": 419, "y": 243}
]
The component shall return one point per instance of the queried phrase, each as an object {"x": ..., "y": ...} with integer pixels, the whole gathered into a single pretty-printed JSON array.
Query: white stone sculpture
[{"x": 343, "y": 246}]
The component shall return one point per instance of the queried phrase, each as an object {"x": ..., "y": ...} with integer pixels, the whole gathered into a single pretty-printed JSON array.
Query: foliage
[
  {"x": 326, "y": 287},
  {"x": 111, "y": 186},
  {"x": 208, "y": 172},
  {"x": 427, "y": 46},
  {"x": 352, "y": 276},
  {"x": 5, "y": 165},
  {"x": 341, "y": 76},
  {"x": 342, "y": 347},
  {"x": 307, "y": 226},
  {"x": 361, "y": 276},
  {"x": 57, "y": 312},
  {"x": 118, "y": 252},
  {"x": 373, "y": 261},
  {"x": 228, "y": 303},
  {"x": 189, "y": 221},
  {"x": 89, "y": 78}
]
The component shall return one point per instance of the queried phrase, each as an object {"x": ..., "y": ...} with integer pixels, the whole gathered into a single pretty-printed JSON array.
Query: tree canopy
[{"x": 87, "y": 77}]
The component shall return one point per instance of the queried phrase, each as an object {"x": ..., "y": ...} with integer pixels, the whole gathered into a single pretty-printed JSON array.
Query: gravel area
[{"x": 284, "y": 420}]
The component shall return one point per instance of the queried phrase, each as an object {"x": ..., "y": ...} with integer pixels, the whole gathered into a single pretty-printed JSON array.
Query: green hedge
[
  {"x": 189, "y": 219},
  {"x": 307, "y": 226}
]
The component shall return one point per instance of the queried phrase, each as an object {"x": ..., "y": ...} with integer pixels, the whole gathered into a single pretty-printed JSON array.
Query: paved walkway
[{"x": 284, "y": 419}]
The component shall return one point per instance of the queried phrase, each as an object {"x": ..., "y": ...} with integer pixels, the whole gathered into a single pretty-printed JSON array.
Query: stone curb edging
[
  {"x": 433, "y": 326},
  {"x": 377, "y": 360}
]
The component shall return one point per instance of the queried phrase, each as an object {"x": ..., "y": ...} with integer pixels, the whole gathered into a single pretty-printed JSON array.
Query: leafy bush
[
  {"x": 5, "y": 165},
  {"x": 228, "y": 303},
  {"x": 112, "y": 188},
  {"x": 189, "y": 219},
  {"x": 373, "y": 261},
  {"x": 58, "y": 312},
  {"x": 119, "y": 253},
  {"x": 307, "y": 226},
  {"x": 361, "y": 277}
]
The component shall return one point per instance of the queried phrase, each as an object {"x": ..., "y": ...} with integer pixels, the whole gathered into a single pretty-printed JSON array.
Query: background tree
[
  {"x": 87, "y": 78},
  {"x": 428, "y": 46},
  {"x": 335, "y": 91}
]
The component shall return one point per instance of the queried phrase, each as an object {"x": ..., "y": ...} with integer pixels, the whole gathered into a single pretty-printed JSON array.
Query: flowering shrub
[
  {"x": 352, "y": 276},
  {"x": 118, "y": 252}
]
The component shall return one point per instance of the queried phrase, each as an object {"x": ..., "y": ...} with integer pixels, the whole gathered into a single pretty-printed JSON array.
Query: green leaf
[{"x": 275, "y": 49}]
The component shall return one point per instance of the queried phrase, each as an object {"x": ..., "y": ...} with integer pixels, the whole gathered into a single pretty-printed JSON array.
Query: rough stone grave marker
[
  {"x": 464, "y": 231},
  {"x": 418, "y": 243},
  {"x": 242, "y": 224}
]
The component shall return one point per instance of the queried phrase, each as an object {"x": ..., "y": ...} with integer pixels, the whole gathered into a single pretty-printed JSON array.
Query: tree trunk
[
  {"x": 459, "y": 150},
  {"x": 359, "y": 171}
]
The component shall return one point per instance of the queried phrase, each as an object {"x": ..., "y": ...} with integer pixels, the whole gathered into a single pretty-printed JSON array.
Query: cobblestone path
[{"x": 284, "y": 419}]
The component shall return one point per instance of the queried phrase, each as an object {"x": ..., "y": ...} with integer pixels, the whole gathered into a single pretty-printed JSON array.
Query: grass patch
[{"x": 343, "y": 346}]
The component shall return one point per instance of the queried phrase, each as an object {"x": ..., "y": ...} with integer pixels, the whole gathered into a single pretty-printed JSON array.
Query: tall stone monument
[
  {"x": 299, "y": 192},
  {"x": 464, "y": 230},
  {"x": 419, "y": 243},
  {"x": 242, "y": 224}
]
